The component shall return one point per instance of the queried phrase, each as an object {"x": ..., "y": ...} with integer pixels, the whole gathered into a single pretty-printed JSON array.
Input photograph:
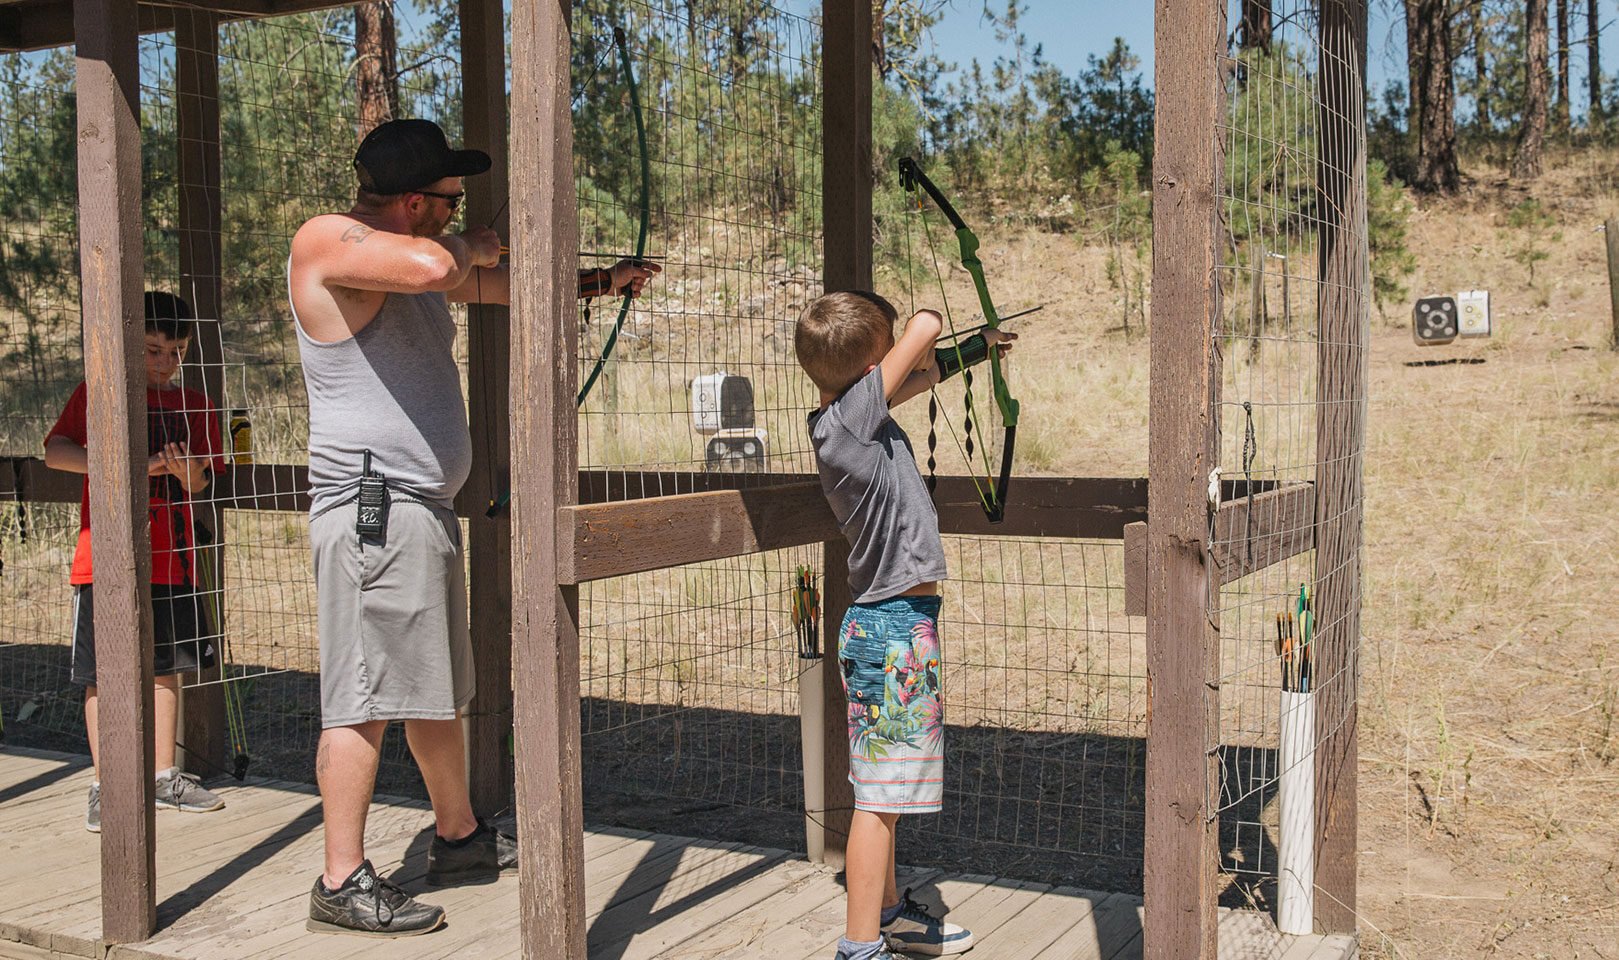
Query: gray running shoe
[
  {"x": 477, "y": 859},
  {"x": 368, "y": 906},
  {"x": 184, "y": 792},
  {"x": 92, "y": 816},
  {"x": 916, "y": 930},
  {"x": 883, "y": 953}
]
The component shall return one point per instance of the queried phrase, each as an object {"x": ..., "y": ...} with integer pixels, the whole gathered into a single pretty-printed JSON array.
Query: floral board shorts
[{"x": 889, "y": 654}]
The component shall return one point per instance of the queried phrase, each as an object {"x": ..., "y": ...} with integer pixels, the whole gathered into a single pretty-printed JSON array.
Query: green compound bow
[
  {"x": 622, "y": 43},
  {"x": 992, "y": 487}
]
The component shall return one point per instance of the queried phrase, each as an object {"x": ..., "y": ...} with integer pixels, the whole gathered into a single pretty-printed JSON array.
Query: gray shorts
[{"x": 394, "y": 641}]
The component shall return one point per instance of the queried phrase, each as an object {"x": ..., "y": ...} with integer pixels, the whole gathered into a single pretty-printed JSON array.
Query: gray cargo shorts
[{"x": 394, "y": 641}]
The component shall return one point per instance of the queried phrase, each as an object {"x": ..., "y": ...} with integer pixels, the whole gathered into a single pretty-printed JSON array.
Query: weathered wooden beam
[
  {"x": 545, "y": 610},
  {"x": 1343, "y": 303},
  {"x": 1183, "y": 703},
  {"x": 30, "y": 481},
  {"x": 621, "y": 537},
  {"x": 614, "y": 539},
  {"x": 203, "y": 728},
  {"x": 41, "y": 24},
  {"x": 489, "y": 716},
  {"x": 1283, "y": 526},
  {"x": 109, "y": 170}
]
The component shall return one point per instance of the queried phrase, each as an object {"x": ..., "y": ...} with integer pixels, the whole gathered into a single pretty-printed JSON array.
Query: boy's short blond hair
[{"x": 841, "y": 334}]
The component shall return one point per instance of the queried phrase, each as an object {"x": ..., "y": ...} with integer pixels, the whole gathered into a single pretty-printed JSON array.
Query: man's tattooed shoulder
[{"x": 356, "y": 234}]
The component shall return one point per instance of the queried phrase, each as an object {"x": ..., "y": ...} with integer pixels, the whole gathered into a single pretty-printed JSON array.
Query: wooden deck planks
[
  {"x": 1110, "y": 931},
  {"x": 644, "y": 927},
  {"x": 235, "y": 884}
]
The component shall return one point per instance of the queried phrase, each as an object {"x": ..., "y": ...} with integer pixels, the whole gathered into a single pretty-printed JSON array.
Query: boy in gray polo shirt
[{"x": 888, "y": 645}]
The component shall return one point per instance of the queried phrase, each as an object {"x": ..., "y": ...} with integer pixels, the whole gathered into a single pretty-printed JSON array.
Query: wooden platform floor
[{"x": 234, "y": 885}]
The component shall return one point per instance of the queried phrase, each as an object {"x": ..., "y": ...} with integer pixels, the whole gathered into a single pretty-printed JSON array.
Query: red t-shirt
[{"x": 175, "y": 415}]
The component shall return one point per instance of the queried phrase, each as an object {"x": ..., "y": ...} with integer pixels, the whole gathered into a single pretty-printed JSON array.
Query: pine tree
[
  {"x": 1433, "y": 95},
  {"x": 1537, "y": 82}
]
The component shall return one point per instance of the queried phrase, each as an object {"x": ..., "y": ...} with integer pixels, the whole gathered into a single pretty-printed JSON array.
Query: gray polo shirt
[{"x": 870, "y": 478}]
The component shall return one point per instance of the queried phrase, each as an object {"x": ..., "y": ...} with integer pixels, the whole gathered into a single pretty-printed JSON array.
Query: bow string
[{"x": 992, "y": 487}]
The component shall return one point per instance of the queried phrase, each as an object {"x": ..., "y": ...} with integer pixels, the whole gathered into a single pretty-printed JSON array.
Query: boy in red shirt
[{"x": 183, "y": 449}]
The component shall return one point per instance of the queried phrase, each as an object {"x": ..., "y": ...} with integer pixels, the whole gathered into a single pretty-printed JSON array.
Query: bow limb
[
  {"x": 911, "y": 178},
  {"x": 628, "y": 65}
]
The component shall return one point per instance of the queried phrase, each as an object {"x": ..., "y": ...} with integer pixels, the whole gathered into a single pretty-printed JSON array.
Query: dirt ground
[{"x": 1488, "y": 826}]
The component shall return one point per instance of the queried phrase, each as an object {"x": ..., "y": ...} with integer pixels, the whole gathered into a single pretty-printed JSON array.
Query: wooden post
[
  {"x": 110, "y": 259},
  {"x": 1343, "y": 306},
  {"x": 483, "y": 80},
  {"x": 1183, "y": 449},
  {"x": 196, "y": 80},
  {"x": 832, "y": 812},
  {"x": 846, "y": 91},
  {"x": 846, "y": 144},
  {"x": 545, "y": 615},
  {"x": 1611, "y": 230}
]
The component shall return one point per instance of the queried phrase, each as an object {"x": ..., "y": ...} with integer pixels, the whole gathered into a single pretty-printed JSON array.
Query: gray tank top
[{"x": 393, "y": 389}]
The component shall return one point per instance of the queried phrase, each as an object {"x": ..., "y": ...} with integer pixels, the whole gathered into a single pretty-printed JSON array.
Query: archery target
[{"x": 1434, "y": 321}]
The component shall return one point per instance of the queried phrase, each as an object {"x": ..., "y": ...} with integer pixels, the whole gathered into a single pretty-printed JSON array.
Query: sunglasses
[{"x": 453, "y": 199}]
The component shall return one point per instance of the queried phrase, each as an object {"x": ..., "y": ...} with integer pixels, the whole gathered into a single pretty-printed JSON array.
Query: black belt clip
[{"x": 371, "y": 517}]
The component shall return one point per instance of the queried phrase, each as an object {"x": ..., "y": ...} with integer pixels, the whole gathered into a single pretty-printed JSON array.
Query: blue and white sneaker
[{"x": 916, "y": 930}]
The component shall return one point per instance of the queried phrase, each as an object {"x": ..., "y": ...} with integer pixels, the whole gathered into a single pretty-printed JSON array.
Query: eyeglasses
[{"x": 453, "y": 199}]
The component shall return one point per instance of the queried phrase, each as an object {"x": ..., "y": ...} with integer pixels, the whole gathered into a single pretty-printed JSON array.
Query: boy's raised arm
[{"x": 911, "y": 357}]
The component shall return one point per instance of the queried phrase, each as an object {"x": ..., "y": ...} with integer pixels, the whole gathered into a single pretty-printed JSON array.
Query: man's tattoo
[
  {"x": 322, "y": 761},
  {"x": 356, "y": 234}
]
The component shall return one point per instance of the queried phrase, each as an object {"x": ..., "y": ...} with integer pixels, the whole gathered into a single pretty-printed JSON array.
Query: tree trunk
[
  {"x": 376, "y": 64},
  {"x": 1481, "y": 97},
  {"x": 1526, "y": 165},
  {"x": 1562, "y": 112},
  {"x": 1428, "y": 34},
  {"x": 1255, "y": 27},
  {"x": 1593, "y": 62},
  {"x": 1415, "y": 42}
]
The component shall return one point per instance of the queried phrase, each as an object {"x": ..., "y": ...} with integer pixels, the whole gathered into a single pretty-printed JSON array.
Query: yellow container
[{"x": 241, "y": 437}]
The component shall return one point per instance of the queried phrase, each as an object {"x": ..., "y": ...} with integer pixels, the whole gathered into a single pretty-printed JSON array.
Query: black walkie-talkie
[{"x": 371, "y": 519}]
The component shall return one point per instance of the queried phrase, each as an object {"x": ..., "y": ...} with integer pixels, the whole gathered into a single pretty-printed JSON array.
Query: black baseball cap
[{"x": 404, "y": 155}]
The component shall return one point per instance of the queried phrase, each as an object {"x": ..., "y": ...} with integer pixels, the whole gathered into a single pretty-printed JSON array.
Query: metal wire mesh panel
[
  {"x": 284, "y": 92},
  {"x": 1291, "y": 335},
  {"x": 1045, "y": 704},
  {"x": 697, "y": 147},
  {"x": 41, "y": 345}
]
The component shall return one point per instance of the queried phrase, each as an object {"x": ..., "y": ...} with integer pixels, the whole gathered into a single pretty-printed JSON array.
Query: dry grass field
[{"x": 1489, "y": 826}]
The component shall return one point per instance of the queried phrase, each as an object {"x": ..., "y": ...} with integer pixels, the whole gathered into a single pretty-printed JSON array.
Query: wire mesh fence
[
  {"x": 697, "y": 137},
  {"x": 689, "y": 674},
  {"x": 288, "y": 125},
  {"x": 1289, "y": 141}
]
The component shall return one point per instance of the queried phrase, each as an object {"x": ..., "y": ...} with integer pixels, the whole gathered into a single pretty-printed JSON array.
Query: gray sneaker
[
  {"x": 883, "y": 953},
  {"x": 92, "y": 815},
  {"x": 184, "y": 792}
]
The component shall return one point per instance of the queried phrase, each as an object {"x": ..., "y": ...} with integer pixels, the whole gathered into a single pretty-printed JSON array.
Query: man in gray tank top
[{"x": 389, "y": 448}]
